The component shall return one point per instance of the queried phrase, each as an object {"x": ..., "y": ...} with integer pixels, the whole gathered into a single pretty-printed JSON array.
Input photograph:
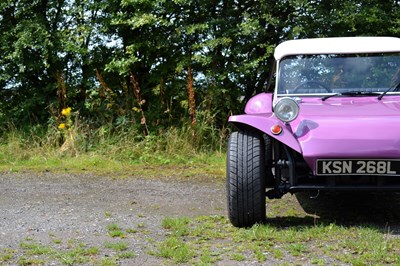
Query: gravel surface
[
  {"x": 64, "y": 207},
  {"x": 65, "y": 211}
]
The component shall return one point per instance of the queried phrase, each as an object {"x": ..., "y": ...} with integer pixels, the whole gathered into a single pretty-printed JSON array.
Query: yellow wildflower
[
  {"x": 66, "y": 111},
  {"x": 62, "y": 126}
]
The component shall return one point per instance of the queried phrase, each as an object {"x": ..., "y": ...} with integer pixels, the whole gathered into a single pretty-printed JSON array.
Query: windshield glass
[{"x": 325, "y": 74}]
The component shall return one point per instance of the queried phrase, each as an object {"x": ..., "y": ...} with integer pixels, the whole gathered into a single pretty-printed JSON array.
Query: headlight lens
[{"x": 286, "y": 109}]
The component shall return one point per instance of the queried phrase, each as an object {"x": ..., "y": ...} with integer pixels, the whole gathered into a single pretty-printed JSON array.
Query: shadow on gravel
[{"x": 348, "y": 209}]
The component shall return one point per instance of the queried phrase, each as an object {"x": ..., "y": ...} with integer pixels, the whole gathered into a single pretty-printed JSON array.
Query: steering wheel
[{"x": 315, "y": 83}]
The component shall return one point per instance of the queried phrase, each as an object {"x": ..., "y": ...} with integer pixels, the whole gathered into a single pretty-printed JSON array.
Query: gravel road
[{"x": 62, "y": 208}]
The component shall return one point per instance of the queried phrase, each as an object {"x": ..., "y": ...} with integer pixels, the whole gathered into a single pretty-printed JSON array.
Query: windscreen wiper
[
  {"x": 395, "y": 87},
  {"x": 351, "y": 93}
]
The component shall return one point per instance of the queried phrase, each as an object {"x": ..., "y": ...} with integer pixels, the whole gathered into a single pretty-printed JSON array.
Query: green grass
[
  {"x": 115, "y": 231},
  {"x": 278, "y": 254},
  {"x": 22, "y": 261},
  {"x": 36, "y": 249},
  {"x": 117, "y": 246},
  {"x": 131, "y": 231},
  {"x": 173, "y": 152},
  {"x": 176, "y": 250},
  {"x": 6, "y": 255},
  {"x": 178, "y": 226},
  {"x": 237, "y": 257},
  {"x": 127, "y": 255},
  {"x": 210, "y": 166},
  {"x": 109, "y": 262},
  {"x": 34, "y": 253},
  {"x": 78, "y": 255},
  {"x": 307, "y": 242}
]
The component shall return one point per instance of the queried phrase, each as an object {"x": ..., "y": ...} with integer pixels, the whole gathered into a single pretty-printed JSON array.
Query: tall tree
[
  {"x": 44, "y": 43},
  {"x": 123, "y": 60},
  {"x": 323, "y": 18},
  {"x": 28, "y": 37}
]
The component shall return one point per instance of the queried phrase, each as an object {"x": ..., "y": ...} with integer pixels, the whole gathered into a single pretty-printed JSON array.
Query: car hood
[{"x": 348, "y": 127}]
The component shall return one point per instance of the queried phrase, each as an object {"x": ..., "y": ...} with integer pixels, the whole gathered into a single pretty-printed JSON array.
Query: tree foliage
[{"x": 131, "y": 61}]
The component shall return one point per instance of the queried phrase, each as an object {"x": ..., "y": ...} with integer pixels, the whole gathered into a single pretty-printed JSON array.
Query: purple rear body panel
[{"x": 340, "y": 127}]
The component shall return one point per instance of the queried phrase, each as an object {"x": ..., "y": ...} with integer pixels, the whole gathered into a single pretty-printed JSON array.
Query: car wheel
[{"x": 246, "y": 179}]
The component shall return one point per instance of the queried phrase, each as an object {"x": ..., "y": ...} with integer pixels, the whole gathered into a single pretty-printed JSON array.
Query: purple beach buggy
[{"x": 331, "y": 124}]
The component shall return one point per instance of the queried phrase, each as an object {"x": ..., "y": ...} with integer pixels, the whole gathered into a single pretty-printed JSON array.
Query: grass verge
[
  {"x": 211, "y": 165},
  {"x": 182, "y": 152}
]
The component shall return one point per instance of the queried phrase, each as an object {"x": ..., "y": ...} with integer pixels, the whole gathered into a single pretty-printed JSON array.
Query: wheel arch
[{"x": 263, "y": 124}]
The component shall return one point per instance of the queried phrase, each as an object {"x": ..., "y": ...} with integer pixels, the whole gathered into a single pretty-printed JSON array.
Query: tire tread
[{"x": 246, "y": 179}]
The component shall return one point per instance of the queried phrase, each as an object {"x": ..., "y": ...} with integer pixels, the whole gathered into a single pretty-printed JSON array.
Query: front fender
[{"x": 264, "y": 122}]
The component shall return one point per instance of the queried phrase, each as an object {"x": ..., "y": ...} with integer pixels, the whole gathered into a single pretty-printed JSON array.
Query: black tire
[{"x": 245, "y": 182}]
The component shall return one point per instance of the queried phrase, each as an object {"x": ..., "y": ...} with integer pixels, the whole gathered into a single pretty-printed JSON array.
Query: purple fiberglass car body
[{"x": 331, "y": 124}]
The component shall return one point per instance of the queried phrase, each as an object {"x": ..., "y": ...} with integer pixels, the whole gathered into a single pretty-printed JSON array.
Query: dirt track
[{"x": 66, "y": 208}]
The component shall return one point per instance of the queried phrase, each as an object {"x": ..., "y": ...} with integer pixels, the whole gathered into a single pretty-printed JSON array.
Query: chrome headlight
[{"x": 286, "y": 110}]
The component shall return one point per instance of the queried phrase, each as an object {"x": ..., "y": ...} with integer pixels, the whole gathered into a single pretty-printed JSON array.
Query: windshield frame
[{"x": 323, "y": 94}]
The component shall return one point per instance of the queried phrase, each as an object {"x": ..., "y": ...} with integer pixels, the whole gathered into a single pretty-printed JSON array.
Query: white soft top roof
[{"x": 338, "y": 45}]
